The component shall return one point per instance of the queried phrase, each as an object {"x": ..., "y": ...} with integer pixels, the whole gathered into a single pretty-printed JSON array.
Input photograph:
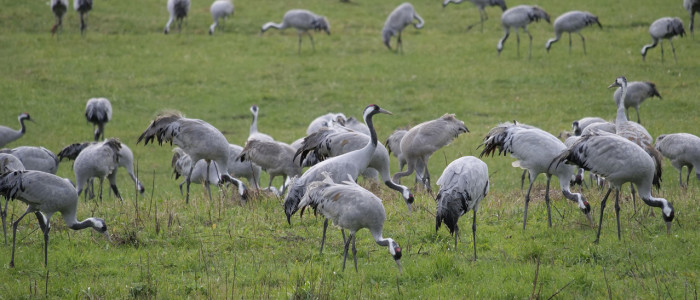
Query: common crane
[
  {"x": 326, "y": 120},
  {"x": 83, "y": 7},
  {"x": 275, "y": 158},
  {"x": 692, "y": 6},
  {"x": 303, "y": 20},
  {"x": 254, "y": 133},
  {"x": 199, "y": 139},
  {"x": 8, "y": 135},
  {"x": 664, "y": 28},
  {"x": 356, "y": 125},
  {"x": 463, "y": 184},
  {"x": 59, "y": 8},
  {"x": 98, "y": 111},
  {"x": 35, "y": 158},
  {"x": 481, "y": 4},
  {"x": 637, "y": 92},
  {"x": 45, "y": 194},
  {"x": 519, "y": 17},
  {"x": 572, "y": 21},
  {"x": 398, "y": 19},
  {"x": 220, "y": 9},
  {"x": 178, "y": 10},
  {"x": 393, "y": 144},
  {"x": 534, "y": 150},
  {"x": 8, "y": 163},
  {"x": 682, "y": 149},
  {"x": 350, "y": 207}
]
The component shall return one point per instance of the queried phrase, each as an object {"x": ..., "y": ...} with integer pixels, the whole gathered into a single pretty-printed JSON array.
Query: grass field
[{"x": 166, "y": 249}]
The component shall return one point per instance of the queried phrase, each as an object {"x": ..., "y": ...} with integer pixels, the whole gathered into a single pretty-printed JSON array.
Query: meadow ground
[{"x": 165, "y": 248}]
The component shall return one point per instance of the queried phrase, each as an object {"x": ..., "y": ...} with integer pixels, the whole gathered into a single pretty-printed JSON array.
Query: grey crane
[
  {"x": 572, "y": 21},
  {"x": 326, "y": 120},
  {"x": 637, "y": 92},
  {"x": 96, "y": 159},
  {"x": 352, "y": 163},
  {"x": 220, "y": 9},
  {"x": 350, "y": 207},
  {"x": 356, "y": 125},
  {"x": 98, "y": 111},
  {"x": 579, "y": 125},
  {"x": 9, "y": 135},
  {"x": 421, "y": 141},
  {"x": 692, "y": 6},
  {"x": 664, "y": 28},
  {"x": 8, "y": 163},
  {"x": 463, "y": 184},
  {"x": 59, "y": 8},
  {"x": 682, "y": 149},
  {"x": 83, "y": 7},
  {"x": 534, "y": 150},
  {"x": 45, "y": 194},
  {"x": 397, "y": 21},
  {"x": 619, "y": 161},
  {"x": 393, "y": 144},
  {"x": 303, "y": 20},
  {"x": 275, "y": 158},
  {"x": 178, "y": 10},
  {"x": 519, "y": 17},
  {"x": 481, "y": 4},
  {"x": 254, "y": 133},
  {"x": 35, "y": 158},
  {"x": 247, "y": 170},
  {"x": 199, "y": 139}
]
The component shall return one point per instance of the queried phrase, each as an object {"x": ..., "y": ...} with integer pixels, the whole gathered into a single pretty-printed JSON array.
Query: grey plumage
[
  {"x": 402, "y": 16},
  {"x": 98, "y": 111},
  {"x": 356, "y": 125},
  {"x": 519, "y": 17},
  {"x": 178, "y": 10},
  {"x": 664, "y": 28},
  {"x": 393, "y": 144},
  {"x": 692, "y": 6},
  {"x": 682, "y": 149},
  {"x": 326, "y": 120},
  {"x": 83, "y": 7},
  {"x": 35, "y": 158},
  {"x": 220, "y": 9},
  {"x": 463, "y": 184},
  {"x": 59, "y": 8},
  {"x": 199, "y": 139},
  {"x": 572, "y": 21},
  {"x": 45, "y": 194},
  {"x": 8, "y": 163},
  {"x": 534, "y": 150},
  {"x": 351, "y": 207},
  {"x": 254, "y": 133},
  {"x": 8, "y": 135},
  {"x": 579, "y": 125},
  {"x": 637, "y": 92},
  {"x": 421, "y": 141},
  {"x": 95, "y": 159},
  {"x": 303, "y": 20},
  {"x": 481, "y": 4},
  {"x": 275, "y": 158}
]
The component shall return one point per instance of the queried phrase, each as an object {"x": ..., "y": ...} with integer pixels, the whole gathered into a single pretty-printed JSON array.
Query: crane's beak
[
  {"x": 590, "y": 220},
  {"x": 398, "y": 263},
  {"x": 410, "y": 208},
  {"x": 384, "y": 111},
  {"x": 614, "y": 84},
  {"x": 668, "y": 227},
  {"x": 109, "y": 238}
]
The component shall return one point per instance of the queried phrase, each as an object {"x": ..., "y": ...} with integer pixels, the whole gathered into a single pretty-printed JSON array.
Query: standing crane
[
  {"x": 220, "y": 9},
  {"x": 692, "y": 6},
  {"x": 99, "y": 160},
  {"x": 637, "y": 92},
  {"x": 682, "y": 149},
  {"x": 572, "y": 21},
  {"x": 98, "y": 111},
  {"x": 664, "y": 28},
  {"x": 421, "y": 141},
  {"x": 481, "y": 4},
  {"x": 254, "y": 133},
  {"x": 199, "y": 139},
  {"x": 8, "y": 163},
  {"x": 178, "y": 10},
  {"x": 35, "y": 158},
  {"x": 534, "y": 150},
  {"x": 398, "y": 19},
  {"x": 8, "y": 135},
  {"x": 463, "y": 184},
  {"x": 519, "y": 17},
  {"x": 275, "y": 158},
  {"x": 83, "y": 7},
  {"x": 350, "y": 207},
  {"x": 303, "y": 20},
  {"x": 59, "y": 8},
  {"x": 45, "y": 194}
]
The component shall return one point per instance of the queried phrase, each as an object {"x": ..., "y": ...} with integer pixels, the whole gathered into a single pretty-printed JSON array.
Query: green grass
[{"x": 162, "y": 247}]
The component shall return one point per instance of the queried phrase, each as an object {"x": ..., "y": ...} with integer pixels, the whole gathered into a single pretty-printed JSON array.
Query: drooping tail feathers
[
  {"x": 450, "y": 206},
  {"x": 496, "y": 140},
  {"x": 312, "y": 145},
  {"x": 163, "y": 128},
  {"x": 71, "y": 151},
  {"x": 11, "y": 184},
  {"x": 658, "y": 160},
  {"x": 291, "y": 202}
]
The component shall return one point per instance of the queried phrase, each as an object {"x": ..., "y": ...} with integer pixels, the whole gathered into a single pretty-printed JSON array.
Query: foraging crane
[
  {"x": 83, "y": 7},
  {"x": 637, "y": 92},
  {"x": 534, "y": 150},
  {"x": 247, "y": 170},
  {"x": 421, "y": 141},
  {"x": 682, "y": 149},
  {"x": 481, "y": 4},
  {"x": 303, "y": 20},
  {"x": 8, "y": 163},
  {"x": 199, "y": 139},
  {"x": 664, "y": 28},
  {"x": 579, "y": 125},
  {"x": 178, "y": 10},
  {"x": 350, "y": 207},
  {"x": 351, "y": 163},
  {"x": 8, "y": 135},
  {"x": 619, "y": 161},
  {"x": 220, "y": 9},
  {"x": 326, "y": 120},
  {"x": 398, "y": 19},
  {"x": 97, "y": 159},
  {"x": 35, "y": 158},
  {"x": 98, "y": 111},
  {"x": 254, "y": 134},
  {"x": 692, "y": 6},
  {"x": 572, "y": 21},
  {"x": 45, "y": 194},
  {"x": 59, "y": 8},
  {"x": 519, "y": 17},
  {"x": 463, "y": 184},
  {"x": 275, "y": 158}
]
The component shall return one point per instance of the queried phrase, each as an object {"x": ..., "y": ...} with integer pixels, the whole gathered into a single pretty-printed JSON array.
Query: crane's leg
[
  {"x": 517, "y": 36},
  {"x": 522, "y": 180},
  {"x": 634, "y": 199},
  {"x": 113, "y": 184},
  {"x": 583, "y": 40},
  {"x": 602, "y": 208},
  {"x": 206, "y": 181},
  {"x": 83, "y": 26},
  {"x": 473, "y": 232},
  {"x": 482, "y": 17},
  {"x": 14, "y": 235},
  {"x": 527, "y": 199},
  {"x": 3, "y": 215},
  {"x": 569, "y": 43},
  {"x": 399, "y": 46},
  {"x": 692, "y": 23},
  {"x": 347, "y": 246},
  {"x": 529, "y": 53},
  {"x": 687, "y": 182},
  {"x": 662, "y": 50},
  {"x": 617, "y": 212},
  {"x": 323, "y": 237},
  {"x": 546, "y": 200},
  {"x": 673, "y": 49},
  {"x": 354, "y": 252},
  {"x": 299, "y": 32},
  {"x": 182, "y": 183},
  {"x": 311, "y": 38},
  {"x": 43, "y": 224},
  {"x": 101, "y": 184},
  {"x": 187, "y": 197}
]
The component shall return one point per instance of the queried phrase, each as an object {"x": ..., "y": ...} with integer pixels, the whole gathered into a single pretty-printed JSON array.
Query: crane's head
[
  {"x": 25, "y": 116},
  {"x": 373, "y": 109},
  {"x": 395, "y": 251},
  {"x": 321, "y": 23},
  {"x": 100, "y": 226},
  {"x": 254, "y": 109},
  {"x": 619, "y": 82},
  {"x": 668, "y": 213}
]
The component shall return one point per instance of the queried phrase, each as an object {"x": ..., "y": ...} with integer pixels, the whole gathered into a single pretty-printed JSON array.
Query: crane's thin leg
[
  {"x": 527, "y": 201},
  {"x": 113, "y": 184},
  {"x": 583, "y": 40},
  {"x": 546, "y": 200},
  {"x": 206, "y": 182},
  {"x": 181, "y": 184},
  {"x": 14, "y": 235},
  {"x": 602, "y": 208},
  {"x": 323, "y": 237},
  {"x": 638, "y": 119},
  {"x": 529, "y": 53},
  {"x": 673, "y": 49},
  {"x": 3, "y": 215},
  {"x": 522, "y": 179},
  {"x": 101, "y": 184},
  {"x": 354, "y": 252},
  {"x": 347, "y": 245},
  {"x": 517, "y": 38},
  {"x": 187, "y": 198},
  {"x": 569, "y": 43},
  {"x": 45, "y": 230},
  {"x": 311, "y": 38},
  {"x": 634, "y": 199},
  {"x": 299, "y": 49},
  {"x": 399, "y": 46},
  {"x": 83, "y": 26},
  {"x": 687, "y": 182},
  {"x": 617, "y": 212},
  {"x": 662, "y": 50},
  {"x": 474, "y": 232}
]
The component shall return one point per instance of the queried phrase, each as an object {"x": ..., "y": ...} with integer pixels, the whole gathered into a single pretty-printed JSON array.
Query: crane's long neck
[
  {"x": 73, "y": 223},
  {"x": 254, "y": 125},
  {"x": 379, "y": 239},
  {"x": 269, "y": 25},
  {"x": 21, "y": 123},
  {"x": 372, "y": 144},
  {"x": 621, "y": 116}
]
